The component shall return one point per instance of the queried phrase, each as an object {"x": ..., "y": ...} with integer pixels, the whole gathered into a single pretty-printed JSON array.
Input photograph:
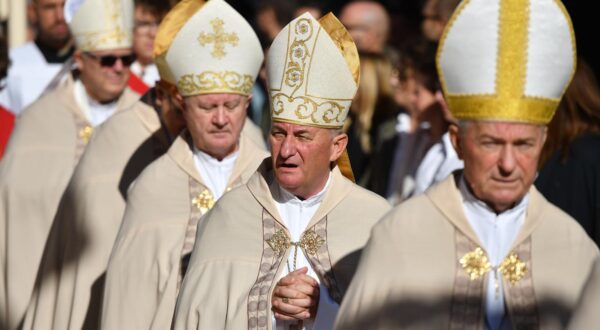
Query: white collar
[
  {"x": 210, "y": 160},
  {"x": 283, "y": 196}
]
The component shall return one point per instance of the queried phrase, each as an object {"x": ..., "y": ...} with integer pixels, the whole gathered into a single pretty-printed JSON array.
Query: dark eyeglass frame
[{"x": 109, "y": 61}]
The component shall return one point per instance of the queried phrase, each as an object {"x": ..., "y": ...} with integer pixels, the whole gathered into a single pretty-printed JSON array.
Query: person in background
[
  {"x": 368, "y": 23},
  {"x": 313, "y": 7},
  {"x": 569, "y": 175},
  {"x": 50, "y": 137},
  {"x": 35, "y": 64},
  {"x": 436, "y": 14},
  {"x": 70, "y": 283},
  {"x": 147, "y": 15},
  {"x": 171, "y": 196},
  {"x": 372, "y": 111}
]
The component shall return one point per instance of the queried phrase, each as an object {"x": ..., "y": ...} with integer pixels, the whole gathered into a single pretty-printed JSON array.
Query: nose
[
  {"x": 288, "y": 147},
  {"x": 220, "y": 117},
  {"x": 118, "y": 66},
  {"x": 507, "y": 161}
]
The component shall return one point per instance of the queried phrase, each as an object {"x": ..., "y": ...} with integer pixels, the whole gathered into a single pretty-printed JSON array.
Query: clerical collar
[
  {"x": 95, "y": 112},
  {"x": 469, "y": 198},
  {"x": 283, "y": 196},
  {"x": 228, "y": 160},
  {"x": 52, "y": 55}
]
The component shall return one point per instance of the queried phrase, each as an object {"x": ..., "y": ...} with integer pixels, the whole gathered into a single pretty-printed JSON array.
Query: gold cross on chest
[{"x": 219, "y": 38}]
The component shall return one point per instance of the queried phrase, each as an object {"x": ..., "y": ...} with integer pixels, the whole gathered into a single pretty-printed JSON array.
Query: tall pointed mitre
[
  {"x": 100, "y": 24},
  {"x": 507, "y": 60},
  {"x": 313, "y": 72},
  {"x": 169, "y": 26},
  {"x": 209, "y": 48}
]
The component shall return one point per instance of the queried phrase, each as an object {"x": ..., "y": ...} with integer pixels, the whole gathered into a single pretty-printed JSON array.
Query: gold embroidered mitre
[
  {"x": 100, "y": 24},
  {"x": 313, "y": 72},
  {"x": 209, "y": 48},
  {"x": 169, "y": 26},
  {"x": 507, "y": 60}
]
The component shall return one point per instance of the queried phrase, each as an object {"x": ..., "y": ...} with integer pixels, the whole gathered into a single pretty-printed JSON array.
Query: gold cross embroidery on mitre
[
  {"x": 310, "y": 242},
  {"x": 204, "y": 201},
  {"x": 219, "y": 37}
]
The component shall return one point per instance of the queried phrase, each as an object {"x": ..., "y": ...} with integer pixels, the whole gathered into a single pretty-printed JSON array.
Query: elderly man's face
[
  {"x": 215, "y": 121},
  {"x": 500, "y": 159},
  {"x": 302, "y": 156}
]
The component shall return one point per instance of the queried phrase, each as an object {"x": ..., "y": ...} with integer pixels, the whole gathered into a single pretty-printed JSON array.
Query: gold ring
[{"x": 285, "y": 300}]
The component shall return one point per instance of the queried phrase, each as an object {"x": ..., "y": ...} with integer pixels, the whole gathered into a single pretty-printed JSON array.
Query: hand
[{"x": 296, "y": 296}]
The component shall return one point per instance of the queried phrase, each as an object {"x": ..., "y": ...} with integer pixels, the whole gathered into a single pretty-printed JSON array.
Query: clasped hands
[{"x": 296, "y": 296}]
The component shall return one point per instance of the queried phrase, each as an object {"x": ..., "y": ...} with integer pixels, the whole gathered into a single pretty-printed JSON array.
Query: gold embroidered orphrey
[
  {"x": 86, "y": 133},
  {"x": 204, "y": 201},
  {"x": 476, "y": 264},
  {"x": 219, "y": 38}
]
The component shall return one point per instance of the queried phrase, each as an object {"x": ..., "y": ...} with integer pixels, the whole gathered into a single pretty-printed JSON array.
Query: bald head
[{"x": 368, "y": 23}]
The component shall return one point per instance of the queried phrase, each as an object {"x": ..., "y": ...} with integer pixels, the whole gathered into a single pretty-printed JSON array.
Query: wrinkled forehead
[
  {"x": 296, "y": 128},
  {"x": 215, "y": 98},
  {"x": 502, "y": 129}
]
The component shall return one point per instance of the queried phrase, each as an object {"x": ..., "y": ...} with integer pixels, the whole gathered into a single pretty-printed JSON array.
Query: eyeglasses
[{"x": 110, "y": 60}]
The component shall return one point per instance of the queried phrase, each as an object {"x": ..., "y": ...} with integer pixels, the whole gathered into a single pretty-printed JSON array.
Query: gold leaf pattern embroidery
[
  {"x": 211, "y": 82},
  {"x": 86, "y": 133},
  {"x": 513, "y": 268},
  {"x": 310, "y": 242},
  {"x": 91, "y": 40},
  {"x": 205, "y": 201},
  {"x": 279, "y": 242},
  {"x": 475, "y": 263},
  {"x": 219, "y": 38}
]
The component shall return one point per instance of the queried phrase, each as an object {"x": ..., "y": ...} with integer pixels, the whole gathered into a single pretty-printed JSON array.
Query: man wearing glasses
[
  {"x": 49, "y": 138},
  {"x": 147, "y": 15}
]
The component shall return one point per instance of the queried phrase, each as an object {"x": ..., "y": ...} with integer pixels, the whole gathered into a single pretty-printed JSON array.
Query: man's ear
[
  {"x": 338, "y": 146},
  {"x": 78, "y": 58},
  {"x": 455, "y": 139}
]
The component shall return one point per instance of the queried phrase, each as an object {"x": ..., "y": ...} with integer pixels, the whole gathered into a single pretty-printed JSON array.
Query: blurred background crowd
[{"x": 398, "y": 141}]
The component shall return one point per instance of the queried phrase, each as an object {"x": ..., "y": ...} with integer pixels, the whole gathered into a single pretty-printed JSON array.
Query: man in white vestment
[
  {"x": 49, "y": 138},
  {"x": 484, "y": 249},
  {"x": 280, "y": 251},
  {"x": 35, "y": 64},
  {"x": 170, "y": 197}
]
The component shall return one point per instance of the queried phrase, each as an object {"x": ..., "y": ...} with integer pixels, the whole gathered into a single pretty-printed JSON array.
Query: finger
[
  {"x": 288, "y": 308},
  {"x": 298, "y": 317},
  {"x": 296, "y": 278},
  {"x": 296, "y": 291}
]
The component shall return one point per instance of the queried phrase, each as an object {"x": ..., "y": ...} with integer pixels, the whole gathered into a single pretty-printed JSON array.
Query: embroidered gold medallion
[
  {"x": 311, "y": 242},
  {"x": 513, "y": 268},
  {"x": 204, "y": 201},
  {"x": 219, "y": 38},
  {"x": 86, "y": 133},
  {"x": 279, "y": 242},
  {"x": 475, "y": 263}
]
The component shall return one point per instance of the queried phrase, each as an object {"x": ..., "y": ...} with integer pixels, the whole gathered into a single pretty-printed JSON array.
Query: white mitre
[
  {"x": 313, "y": 72},
  {"x": 213, "y": 49},
  {"x": 100, "y": 24},
  {"x": 507, "y": 60}
]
